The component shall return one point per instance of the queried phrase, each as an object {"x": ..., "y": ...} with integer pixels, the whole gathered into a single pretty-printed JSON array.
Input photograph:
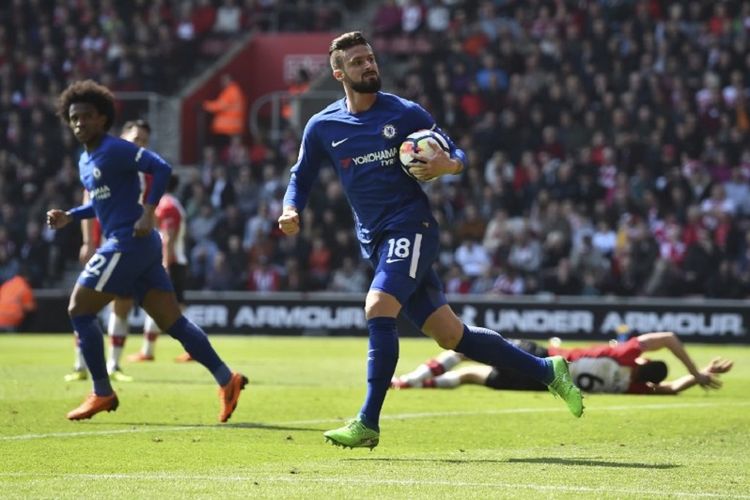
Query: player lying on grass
[
  {"x": 129, "y": 263},
  {"x": 618, "y": 369}
]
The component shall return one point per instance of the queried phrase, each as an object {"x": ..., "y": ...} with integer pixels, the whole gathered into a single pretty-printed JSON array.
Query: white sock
[
  {"x": 432, "y": 368},
  {"x": 449, "y": 359},
  {"x": 117, "y": 329},
  {"x": 150, "y": 333},
  {"x": 416, "y": 377},
  {"x": 449, "y": 380},
  {"x": 79, "y": 364}
]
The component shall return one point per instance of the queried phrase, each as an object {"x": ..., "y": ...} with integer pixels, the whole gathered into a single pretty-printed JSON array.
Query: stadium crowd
[{"x": 608, "y": 141}]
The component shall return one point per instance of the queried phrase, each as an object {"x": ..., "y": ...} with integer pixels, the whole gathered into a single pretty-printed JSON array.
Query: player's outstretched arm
[
  {"x": 717, "y": 365},
  {"x": 659, "y": 340},
  {"x": 289, "y": 220}
]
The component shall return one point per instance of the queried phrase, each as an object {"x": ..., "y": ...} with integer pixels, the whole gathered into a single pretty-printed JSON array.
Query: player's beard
[{"x": 369, "y": 86}]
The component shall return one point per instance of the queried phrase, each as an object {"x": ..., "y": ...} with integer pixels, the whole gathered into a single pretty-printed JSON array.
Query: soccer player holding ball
[{"x": 360, "y": 136}]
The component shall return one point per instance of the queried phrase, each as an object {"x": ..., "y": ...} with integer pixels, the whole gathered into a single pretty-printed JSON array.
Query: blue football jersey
[
  {"x": 110, "y": 175},
  {"x": 363, "y": 149}
]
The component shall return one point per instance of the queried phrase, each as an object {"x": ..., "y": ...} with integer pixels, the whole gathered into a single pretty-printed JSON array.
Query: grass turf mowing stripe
[
  {"x": 161, "y": 476},
  {"x": 401, "y": 416}
]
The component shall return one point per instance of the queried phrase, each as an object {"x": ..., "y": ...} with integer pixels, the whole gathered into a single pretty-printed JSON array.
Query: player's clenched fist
[
  {"x": 57, "y": 218},
  {"x": 289, "y": 221}
]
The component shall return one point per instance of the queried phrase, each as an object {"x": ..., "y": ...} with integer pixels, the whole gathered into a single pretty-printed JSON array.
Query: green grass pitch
[{"x": 165, "y": 442}]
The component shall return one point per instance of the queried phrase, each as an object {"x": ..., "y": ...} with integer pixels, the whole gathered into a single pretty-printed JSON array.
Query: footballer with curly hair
[{"x": 129, "y": 263}]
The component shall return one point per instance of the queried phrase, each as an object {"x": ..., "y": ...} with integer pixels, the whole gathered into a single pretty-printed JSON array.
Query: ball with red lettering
[{"x": 425, "y": 143}]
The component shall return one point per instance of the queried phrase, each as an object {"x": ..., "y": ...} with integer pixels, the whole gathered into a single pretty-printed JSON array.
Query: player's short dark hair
[
  {"x": 653, "y": 371},
  {"x": 343, "y": 42},
  {"x": 140, "y": 123}
]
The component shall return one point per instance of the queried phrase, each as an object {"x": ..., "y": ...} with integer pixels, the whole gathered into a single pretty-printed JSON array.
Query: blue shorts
[
  {"x": 403, "y": 268},
  {"x": 129, "y": 273}
]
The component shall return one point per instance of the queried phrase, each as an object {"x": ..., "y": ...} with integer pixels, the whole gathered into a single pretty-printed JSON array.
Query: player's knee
[
  {"x": 74, "y": 309},
  {"x": 448, "y": 341},
  {"x": 446, "y": 338},
  {"x": 381, "y": 304}
]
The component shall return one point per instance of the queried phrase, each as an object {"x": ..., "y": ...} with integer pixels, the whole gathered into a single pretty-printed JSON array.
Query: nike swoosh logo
[
  {"x": 336, "y": 143},
  {"x": 391, "y": 261}
]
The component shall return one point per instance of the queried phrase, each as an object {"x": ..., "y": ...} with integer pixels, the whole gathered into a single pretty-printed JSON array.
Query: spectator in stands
[
  {"x": 319, "y": 263},
  {"x": 349, "y": 278},
  {"x": 200, "y": 229},
  {"x": 702, "y": 261},
  {"x": 472, "y": 258},
  {"x": 34, "y": 255},
  {"x": 298, "y": 86},
  {"x": 228, "y": 18},
  {"x": 229, "y": 110},
  {"x": 387, "y": 20},
  {"x": 526, "y": 252},
  {"x": 263, "y": 277},
  {"x": 645, "y": 115},
  {"x": 17, "y": 301},
  {"x": 412, "y": 17}
]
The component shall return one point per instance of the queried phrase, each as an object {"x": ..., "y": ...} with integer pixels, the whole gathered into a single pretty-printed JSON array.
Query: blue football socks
[
  {"x": 381, "y": 365},
  {"x": 195, "y": 341},
  {"x": 90, "y": 338},
  {"x": 489, "y": 347}
]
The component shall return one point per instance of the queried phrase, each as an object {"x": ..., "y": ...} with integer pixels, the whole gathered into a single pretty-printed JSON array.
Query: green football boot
[
  {"x": 116, "y": 375},
  {"x": 355, "y": 434},
  {"x": 76, "y": 375},
  {"x": 562, "y": 385}
]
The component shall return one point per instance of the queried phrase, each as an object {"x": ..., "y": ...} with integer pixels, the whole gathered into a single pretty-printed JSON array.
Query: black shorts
[
  {"x": 178, "y": 277},
  {"x": 505, "y": 378}
]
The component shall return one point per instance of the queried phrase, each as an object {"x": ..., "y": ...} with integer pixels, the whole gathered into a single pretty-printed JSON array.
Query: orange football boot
[
  {"x": 229, "y": 394},
  {"x": 93, "y": 405},
  {"x": 185, "y": 357},
  {"x": 139, "y": 357}
]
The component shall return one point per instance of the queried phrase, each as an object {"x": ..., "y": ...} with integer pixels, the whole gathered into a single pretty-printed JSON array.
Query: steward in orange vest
[{"x": 229, "y": 109}]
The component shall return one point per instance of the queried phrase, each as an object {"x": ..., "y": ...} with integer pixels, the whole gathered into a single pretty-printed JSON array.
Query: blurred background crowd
[{"x": 609, "y": 141}]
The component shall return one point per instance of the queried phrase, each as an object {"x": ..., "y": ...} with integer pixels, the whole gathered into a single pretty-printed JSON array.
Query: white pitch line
[
  {"x": 24, "y": 437},
  {"x": 367, "y": 481},
  {"x": 400, "y": 416}
]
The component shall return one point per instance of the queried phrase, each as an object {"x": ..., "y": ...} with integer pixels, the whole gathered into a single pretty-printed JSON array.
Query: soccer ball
[{"x": 423, "y": 142}]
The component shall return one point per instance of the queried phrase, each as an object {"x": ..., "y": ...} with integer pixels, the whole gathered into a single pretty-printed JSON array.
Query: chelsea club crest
[
  {"x": 389, "y": 131},
  {"x": 96, "y": 173}
]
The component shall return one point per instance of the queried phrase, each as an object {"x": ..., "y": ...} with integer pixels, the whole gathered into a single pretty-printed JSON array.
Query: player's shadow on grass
[
  {"x": 233, "y": 425},
  {"x": 269, "y": 427},
  {"x": 589, "y": 463},
  {"x": 542, "y": 460},
  {"x": 180, "y": 381}
]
